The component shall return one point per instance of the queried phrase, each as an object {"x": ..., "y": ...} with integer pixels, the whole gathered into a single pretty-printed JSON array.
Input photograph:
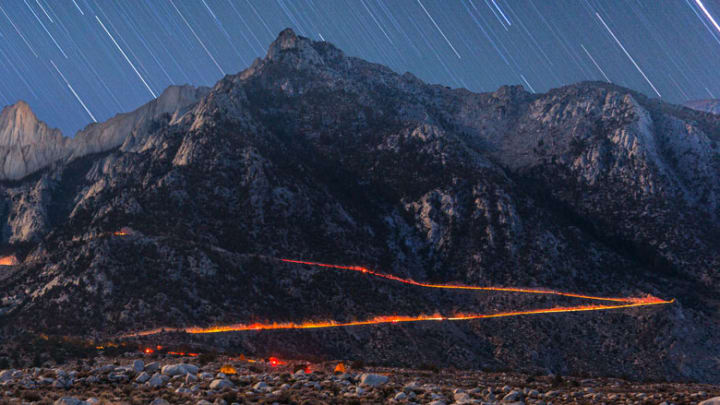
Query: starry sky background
[{"x": 75, "y": 61}]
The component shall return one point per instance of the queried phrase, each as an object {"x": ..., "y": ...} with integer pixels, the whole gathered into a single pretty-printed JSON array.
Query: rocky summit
[{"x": 178, "y": 217}]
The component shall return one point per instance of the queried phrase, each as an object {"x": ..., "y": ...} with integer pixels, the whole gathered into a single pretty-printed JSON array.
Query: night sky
[{"x": 75, "y": 61}]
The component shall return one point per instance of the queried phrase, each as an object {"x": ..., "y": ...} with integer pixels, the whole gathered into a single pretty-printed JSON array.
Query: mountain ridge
[
  {"x": 28, "y": 144},
  {"x": 314, "y": 155}
]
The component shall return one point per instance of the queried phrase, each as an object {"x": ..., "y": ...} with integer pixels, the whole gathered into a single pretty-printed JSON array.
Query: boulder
[
  {"x": 138, "y": 366},
  {"x": 179, "y": 369},
  {"x": 152, "y": 367},
  {"x": 261, "y": 386},
  {"x": 156, "y": 380},
  {"x": 219, "y": 384},
  {"x": 373, "y": 380},
  {"x": 711, "y": 401},
  {"x": 142, "y": 378}
]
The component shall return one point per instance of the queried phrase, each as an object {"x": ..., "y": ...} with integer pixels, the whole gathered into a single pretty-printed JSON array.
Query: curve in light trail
[
  {"x": 620, "y": 303},
  {"x": 388, "y": 320},
  {"x": 637, "y": 300}
]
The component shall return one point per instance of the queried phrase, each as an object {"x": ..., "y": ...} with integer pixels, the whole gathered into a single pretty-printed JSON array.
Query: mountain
[
  {"x": 312, "y": 154},
  {"x": 711, "y": 106},
  {"x": 28, "y": 145}
]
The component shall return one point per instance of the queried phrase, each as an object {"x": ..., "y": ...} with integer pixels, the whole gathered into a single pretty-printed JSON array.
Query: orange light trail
[
  {"x": 380, "y": 320},
  {"x": 8, "y": 261},
  {"x": 620, "y": 303},
  {"x": 364, "y": 270}
]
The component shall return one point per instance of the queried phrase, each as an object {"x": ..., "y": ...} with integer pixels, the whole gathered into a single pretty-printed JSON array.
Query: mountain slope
[{"x": 313, "y": 154}]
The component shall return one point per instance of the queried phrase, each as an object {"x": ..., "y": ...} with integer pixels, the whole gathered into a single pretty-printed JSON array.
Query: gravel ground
[{"x": 246, "y": 381}]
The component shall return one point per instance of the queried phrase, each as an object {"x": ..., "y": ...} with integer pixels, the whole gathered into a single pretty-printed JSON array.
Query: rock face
[
  {"x": 28, "y": 145},
  {"x": 315, "y": 155}
]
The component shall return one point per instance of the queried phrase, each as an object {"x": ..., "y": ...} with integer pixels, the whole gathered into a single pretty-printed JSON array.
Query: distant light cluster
[{"x": 79, "y": 61}]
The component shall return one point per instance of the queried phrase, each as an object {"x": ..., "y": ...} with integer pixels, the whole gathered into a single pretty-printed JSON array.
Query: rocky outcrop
[
  {"x": 313, "y": 154},
  {"x": 28, "y": 145}
]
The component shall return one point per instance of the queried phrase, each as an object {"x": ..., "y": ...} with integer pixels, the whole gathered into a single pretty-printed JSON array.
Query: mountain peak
[
  {"x": 19, "y": 112},
  {"x": 20, "y": 126},
  {"x": 287, "y": 39}
]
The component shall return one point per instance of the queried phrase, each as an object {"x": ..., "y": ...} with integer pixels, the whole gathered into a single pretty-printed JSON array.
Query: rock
[
  {"x": 105, "y": 369},
  {"x": 92, "y": 401},
  {"x": 400, "y": 396},
  {"x": 46, "y": 381},
  {"x": 513, "y": 396},
  {"x": 179, "y": 369},
  {"x": 114, "y": 377},
  {"x": 190, "y": 378},
  {"x": 156, "y": 380},
  {"x": 300, "y": 373},
  {"x": 206, "y": 376},
  {"x": 6, "y": 375},
  {"x": 412, "y": 387},
  {"x": 138, "y": 366},
  {"x": 261, "y": 386},
  {"x": 68, "y": 401},
  {"x": 159, "y": 401},
  {"x": 204, "y": 402},
  {"x": 373, "y": 380},
  {"x": 61, "y": 384},
  {"x": 463, "y": 398},
  {"x": 437, "y": 402},
  {"x": 711, "y": 401},
  {"x": 142, "y": 377},
  {"x": 221, "y": 383},
  {"x": 152, "y": 367}
]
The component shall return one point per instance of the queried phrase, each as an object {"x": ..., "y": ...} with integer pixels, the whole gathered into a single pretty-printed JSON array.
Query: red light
[
  {"x": 274, "y": 362},
  {"x": 148, "y": 350},
  {"x": 307, "y": 370},
  {"x": 158, "y": 347}
]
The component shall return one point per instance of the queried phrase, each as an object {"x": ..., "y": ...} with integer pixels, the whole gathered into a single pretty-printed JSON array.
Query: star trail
[{"x": 79, "y": 61}]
